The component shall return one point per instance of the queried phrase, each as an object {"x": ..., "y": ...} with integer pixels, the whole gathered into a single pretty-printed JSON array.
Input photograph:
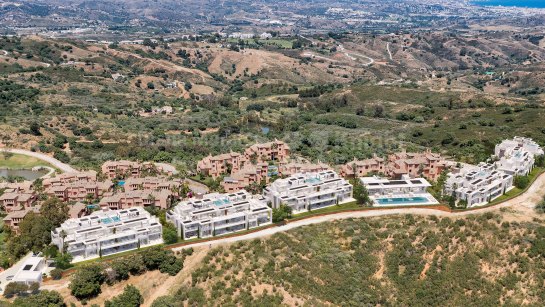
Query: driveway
[{"x": 11, "y": 272}]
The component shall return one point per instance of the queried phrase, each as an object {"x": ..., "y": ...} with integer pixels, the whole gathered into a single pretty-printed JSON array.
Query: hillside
[
  {"x": 483, "y": 260},
  {"x": 332, "y": 97}
]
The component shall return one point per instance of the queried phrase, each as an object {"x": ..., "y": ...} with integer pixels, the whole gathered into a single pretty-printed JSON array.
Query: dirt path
[
  {"x": 524, "y": 202},
  {"x": 168, "y": 286},
  {"x": 314, "y": 56},
  {"x": 56, "y": 163},
  {"x": 389, "y": 51},
  {"x": 353, "y": 56}
]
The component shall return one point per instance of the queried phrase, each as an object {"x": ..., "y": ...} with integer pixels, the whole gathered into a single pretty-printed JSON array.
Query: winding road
[
  {"x": 526, "y": 201},
  {"x": 389, "y": 51},
  {"x": 56, "y": 163},
  {"x": 314, "y": 56},
  {"x": 352, "y": 56}
]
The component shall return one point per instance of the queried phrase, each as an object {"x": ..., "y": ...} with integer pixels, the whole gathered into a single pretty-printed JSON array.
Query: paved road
[
  {"x": 56, "y": 163},
  {"x": 527, "y": 200},
  {"x": 50, "y": 171}
]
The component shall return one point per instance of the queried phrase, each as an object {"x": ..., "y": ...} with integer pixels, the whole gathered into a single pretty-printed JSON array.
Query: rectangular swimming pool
[{"x": 403, "y": 201}]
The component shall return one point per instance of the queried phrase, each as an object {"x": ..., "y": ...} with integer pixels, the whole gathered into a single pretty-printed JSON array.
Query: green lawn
[
  {"x": 17, "y": 161},
  {"x": 348, "y": 206},
  {"x": 516, "y": 191}
]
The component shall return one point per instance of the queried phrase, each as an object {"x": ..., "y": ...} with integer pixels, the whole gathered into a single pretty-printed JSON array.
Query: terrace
[
  {"x": 384, "y": 192},
  {"x": 218, "y": 214}
]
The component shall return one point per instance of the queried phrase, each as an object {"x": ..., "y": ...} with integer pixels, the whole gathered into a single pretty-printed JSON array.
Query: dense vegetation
[
  {"x": 35, "y": 233},
  {"x": 410, "y": 261},
  {"x": 83, "y": 109},
  {"x": 87, "y": 280}
]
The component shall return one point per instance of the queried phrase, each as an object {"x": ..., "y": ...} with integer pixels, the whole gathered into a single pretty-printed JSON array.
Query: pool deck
[{"x": 430, "y": 200}]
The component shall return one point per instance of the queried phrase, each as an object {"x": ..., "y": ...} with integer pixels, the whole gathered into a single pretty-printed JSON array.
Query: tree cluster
[{"x": 87, "y": 280}]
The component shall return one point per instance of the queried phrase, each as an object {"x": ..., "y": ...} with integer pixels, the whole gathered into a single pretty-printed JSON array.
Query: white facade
[
  {"x": 242, "y": 35},
  {"x": 517, "y": 156},
  {"x": 108, "y": 232},
  {"x": 31, "y": 271},
  {"x": 478, "y": 185},
  {"x": 407, "y": 191},
  {"x": 265, "y": 35},
  {"x": 527, "y": 144},
  {"x": 309, "y": 191},
  {"x": 517, "y": 163},
  {"x": 219, "y": 214}
]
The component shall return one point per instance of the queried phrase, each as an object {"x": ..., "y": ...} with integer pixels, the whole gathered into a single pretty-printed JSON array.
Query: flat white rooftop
[
  {"x": 31, "y": 270},
  {"x": 383, "y": 183}
]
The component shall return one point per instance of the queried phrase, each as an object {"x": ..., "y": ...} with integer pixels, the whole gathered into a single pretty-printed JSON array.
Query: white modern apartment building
[
  {"x": 517, "y": 156},
  {"x": 309, "y": 191},
  {"x": 518, "y": 163},
  {"x": 407, "y": 191},
  {"x": 218, "y": 214},
  {"x": 478, "y": 185},
  {"x": 108, "y": 232},
  {"x": 527, "y": 144}
]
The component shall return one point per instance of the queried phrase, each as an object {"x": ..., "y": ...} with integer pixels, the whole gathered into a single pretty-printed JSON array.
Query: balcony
[
  {"x": 230, "y": 224},
  {"x": 111, "y": 243}
]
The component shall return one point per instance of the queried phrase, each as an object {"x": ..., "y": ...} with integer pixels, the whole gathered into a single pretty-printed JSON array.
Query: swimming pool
[
  {"x": 403, "y": 200},
  {"x": 221, "y": 202},
  {"x": 313, "y": 180},
  {"x": 111, "y": 220}
]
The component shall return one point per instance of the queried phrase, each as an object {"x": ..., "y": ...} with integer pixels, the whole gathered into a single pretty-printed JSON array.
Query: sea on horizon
[{"x": 517, "y": 3}]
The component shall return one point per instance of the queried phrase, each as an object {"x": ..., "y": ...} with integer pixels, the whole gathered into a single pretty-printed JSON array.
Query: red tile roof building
[
  {"x": 126, "y": 169},
  {"x": 361, "y": 168},
  {"x": 422, "y": 164},
  {"x": 15, "y": 201},
  {"x": 143, "y": 198}
]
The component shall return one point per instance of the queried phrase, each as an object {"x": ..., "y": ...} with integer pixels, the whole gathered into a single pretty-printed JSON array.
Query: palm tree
[{"x": 63, "y": 236}]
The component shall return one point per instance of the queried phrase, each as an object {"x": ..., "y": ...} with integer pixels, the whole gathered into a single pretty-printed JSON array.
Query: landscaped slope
[{"x": 408, "y": 261}]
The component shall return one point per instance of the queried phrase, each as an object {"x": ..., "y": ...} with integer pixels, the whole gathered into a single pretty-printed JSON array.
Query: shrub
[
  {"x": 15, "y": 288},
  {"x": 171, "y": 265},
  {"x": 43, "y": 298},
  {"x": 86, "y": 281},
  {"x": 522, "y": 182},
  {"x": 63, "y": 261},
  {"x": 281, "y": 213},
  {"x": 187, "y": 251},
  {"x": 170, "y": 234},
  {"x": 130, "y": 297},
  {"x": 121, "y": 269},
  {"x": 56, "y": 274}
]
